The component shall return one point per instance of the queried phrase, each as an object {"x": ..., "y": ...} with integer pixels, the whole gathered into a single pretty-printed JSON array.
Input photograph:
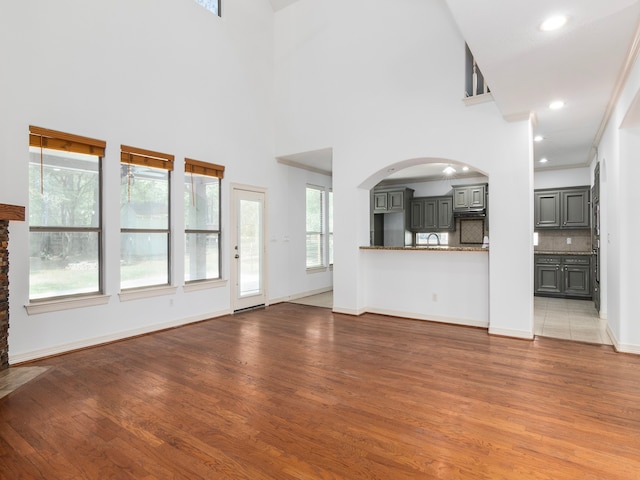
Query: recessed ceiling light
[
  {"x": 449, "y": 170},
  {"x": 465, "y": 169},
  {"x": 553, "y": 23},
  {"x": 538, "y": 138},
  {"x": 543, "y": 160},
  {"x": 556, "y": 105}
]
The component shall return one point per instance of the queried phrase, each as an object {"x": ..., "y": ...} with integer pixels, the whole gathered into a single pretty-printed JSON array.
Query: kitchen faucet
[{"x": 437, "y": 238}]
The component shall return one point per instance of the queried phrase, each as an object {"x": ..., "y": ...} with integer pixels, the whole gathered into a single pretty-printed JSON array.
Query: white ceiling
[{"x": 526, "y": 68}]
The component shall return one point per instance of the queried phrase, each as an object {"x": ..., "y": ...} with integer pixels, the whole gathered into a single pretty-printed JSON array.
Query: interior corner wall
[{"x": 164, "y": 75}]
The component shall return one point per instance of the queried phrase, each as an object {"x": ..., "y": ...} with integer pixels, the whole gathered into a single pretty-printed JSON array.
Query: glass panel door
[{"x": 248, "y": 249}]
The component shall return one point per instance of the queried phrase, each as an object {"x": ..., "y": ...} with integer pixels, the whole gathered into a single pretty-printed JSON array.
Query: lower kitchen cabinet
[{"x": 563, "y": 275}]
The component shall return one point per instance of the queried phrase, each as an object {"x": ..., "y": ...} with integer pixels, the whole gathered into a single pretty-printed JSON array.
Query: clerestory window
[{"x": 212, "y": 5}]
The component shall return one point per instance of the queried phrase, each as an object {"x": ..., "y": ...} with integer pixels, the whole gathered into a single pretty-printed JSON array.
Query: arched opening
[{"x": 428, "y": 201}]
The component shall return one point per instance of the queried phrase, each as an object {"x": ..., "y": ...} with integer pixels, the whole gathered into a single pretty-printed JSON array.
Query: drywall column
[
  {"x": 350, "y": 213},
  {"x": 511, "y": 236}
]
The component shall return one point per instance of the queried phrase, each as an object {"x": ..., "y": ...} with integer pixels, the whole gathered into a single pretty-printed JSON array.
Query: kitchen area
[
  {"x": 451, "y": 216},
  {"x": 567, "y": 263},
  {"x": 433, "y": 214},
  {"x": 429, "y": 244}
]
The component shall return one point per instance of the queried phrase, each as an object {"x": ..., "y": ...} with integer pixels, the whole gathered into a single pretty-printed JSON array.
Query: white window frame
[{"x": 326, "y": 233}]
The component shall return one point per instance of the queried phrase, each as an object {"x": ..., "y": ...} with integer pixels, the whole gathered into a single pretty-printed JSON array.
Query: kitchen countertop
[
  {"x": 436, "y": 248},
  {"x": 550, "y": 252}
]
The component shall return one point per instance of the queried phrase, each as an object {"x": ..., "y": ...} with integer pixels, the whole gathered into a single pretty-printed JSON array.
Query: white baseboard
[
  {"x": 431, "y": 318},
  {"x": 95, "y": 341},
  {"x": 349, "y": 311},
  {"x": 621, "y": 347},
  {"x": 296, "y": 296},
  {"x": 506, "y": 332}
]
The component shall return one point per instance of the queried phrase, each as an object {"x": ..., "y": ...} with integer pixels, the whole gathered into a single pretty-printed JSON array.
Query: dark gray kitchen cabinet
[
  {"x": 577, "y": 276},
  {"x": 469, "y": 198},
  {"x": 391, "y": 200},
  {"x": 416, "y": 221},
  {"x": 575, "y": 208},
  {"x": 548, "y": 278},
  {"x": 562, "y": 208},
  {"x": 445, "y": 214},
  {"x": 390, "y": 217},
  {"x": 563, "y": 275},
  {"x": 430, "y": 214},
  {"x": 547, "y": 209}
]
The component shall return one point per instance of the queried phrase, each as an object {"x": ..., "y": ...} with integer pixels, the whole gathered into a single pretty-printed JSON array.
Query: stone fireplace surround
[{"x": 7, "y": 213}]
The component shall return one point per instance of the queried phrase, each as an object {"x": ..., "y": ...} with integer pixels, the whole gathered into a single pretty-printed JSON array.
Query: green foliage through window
[{"x": 64, "y": 223}]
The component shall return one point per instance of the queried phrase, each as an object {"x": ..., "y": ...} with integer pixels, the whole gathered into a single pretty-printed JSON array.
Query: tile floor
[
  {"x": 323, "y": 300},
  {"x": 14, "y": 377},
  {"x": 569, "y": 319}
]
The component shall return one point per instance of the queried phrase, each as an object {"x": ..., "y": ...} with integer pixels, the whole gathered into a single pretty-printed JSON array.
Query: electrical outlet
[{"x": 568, "y": 240}]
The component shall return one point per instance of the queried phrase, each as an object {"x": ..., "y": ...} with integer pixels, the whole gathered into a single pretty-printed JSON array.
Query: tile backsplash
[
  {"x": 556, "y": 241},
  {"x": 469, "y": 232}
]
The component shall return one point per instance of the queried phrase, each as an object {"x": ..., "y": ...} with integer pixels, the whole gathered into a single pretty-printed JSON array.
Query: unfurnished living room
[{"x": 304, "y": 239}]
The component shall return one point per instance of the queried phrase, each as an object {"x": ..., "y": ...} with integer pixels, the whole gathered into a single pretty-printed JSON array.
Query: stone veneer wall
[{"x": 4, "y": 294}]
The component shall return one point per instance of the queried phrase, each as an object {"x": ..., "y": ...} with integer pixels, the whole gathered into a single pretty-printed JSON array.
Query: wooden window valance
[
  {"x": 45, "y": 138},
  {"x": 203, "y": 168},
  {"x": 147, "y": 158}
]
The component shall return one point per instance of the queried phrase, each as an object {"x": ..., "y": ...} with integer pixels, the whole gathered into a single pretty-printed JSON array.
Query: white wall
[
  {"x": 618, "y": 152},
  {"x": 389, "y": 93},
  {"x": 164, "y": 75},
  {"x": 288, "y": 242},
  {"x": 450, "y": 287},
  {"x": 561, "y": 178}
]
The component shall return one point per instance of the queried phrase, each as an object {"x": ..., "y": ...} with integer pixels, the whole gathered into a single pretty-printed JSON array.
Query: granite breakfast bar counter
[
  {"x": 435, "y": 248},
  {"x": 436, "y": 283}
]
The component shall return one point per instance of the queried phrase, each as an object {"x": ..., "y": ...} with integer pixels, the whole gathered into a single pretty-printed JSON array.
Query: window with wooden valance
[
  {"x": 203, "y": 168},
  {"x": 147, "y": 158},
  {"x": 45, "y": 138}
]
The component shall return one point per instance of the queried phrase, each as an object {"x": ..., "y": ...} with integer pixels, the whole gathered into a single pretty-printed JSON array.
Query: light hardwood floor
[{"x": 298, "y": 392}]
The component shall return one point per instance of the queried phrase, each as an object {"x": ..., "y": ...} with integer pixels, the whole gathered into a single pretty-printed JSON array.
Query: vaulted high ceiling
[{"x": 582, "y": 64}]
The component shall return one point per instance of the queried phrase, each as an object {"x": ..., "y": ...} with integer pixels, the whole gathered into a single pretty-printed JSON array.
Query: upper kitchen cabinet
[
  {"x": 391, "y": 200},
  {"x": 390, "y": 217},
  {"x": 430, "y": 214},
  {"x": 562, "y": 208},
  {"x": 469, "y": 198}
]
